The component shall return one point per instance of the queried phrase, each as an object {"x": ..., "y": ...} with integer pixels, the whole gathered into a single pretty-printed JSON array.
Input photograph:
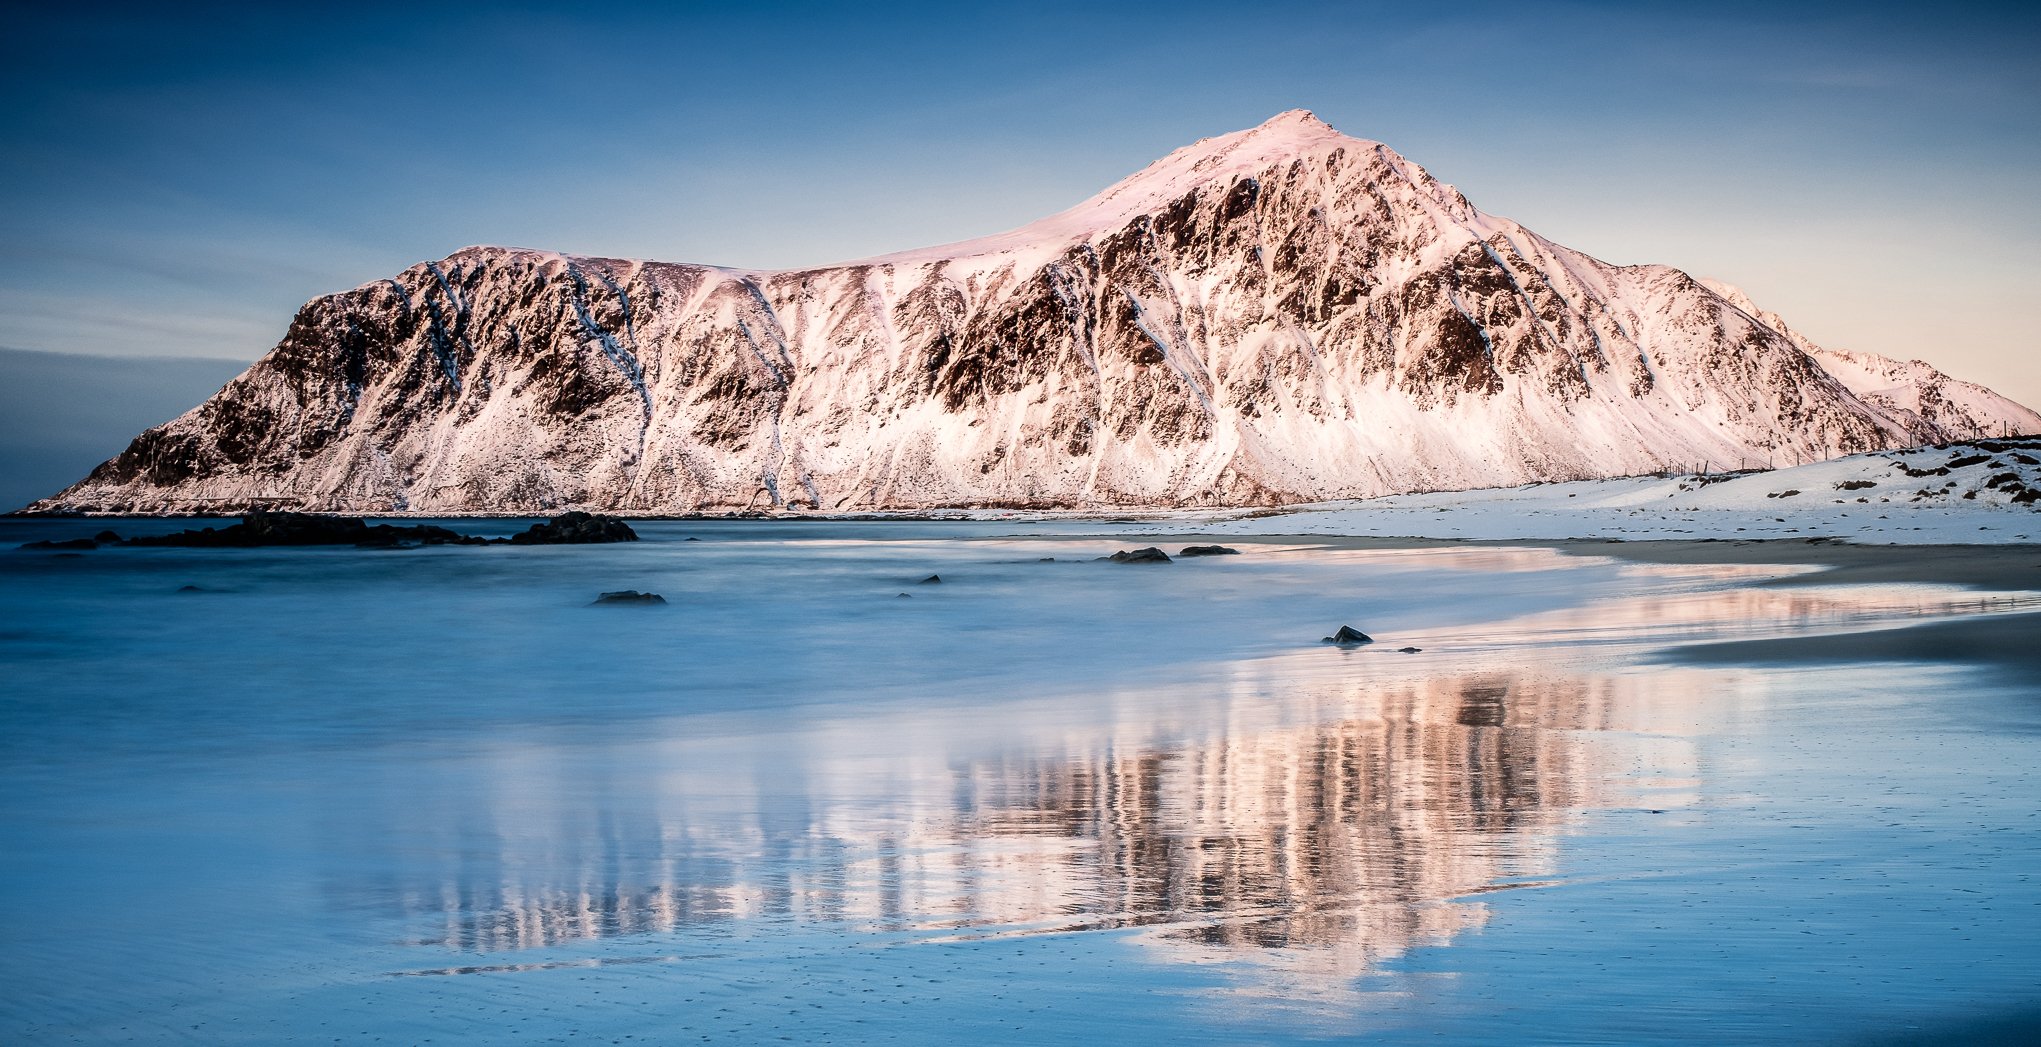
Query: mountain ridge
[{"x": 1281, "y": 314}]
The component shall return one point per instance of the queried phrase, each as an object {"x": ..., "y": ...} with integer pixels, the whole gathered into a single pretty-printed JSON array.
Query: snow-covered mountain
[{"x": 1283, "y": 314}]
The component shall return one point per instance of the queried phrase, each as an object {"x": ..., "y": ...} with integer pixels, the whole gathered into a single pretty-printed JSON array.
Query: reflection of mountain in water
[
  {"x": 1362, "y": 836},
  {"x": 1302, "y": 836}
]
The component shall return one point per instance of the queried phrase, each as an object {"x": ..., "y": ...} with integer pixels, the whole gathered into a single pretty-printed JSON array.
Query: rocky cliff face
[{"x": 1283, "y": 314}]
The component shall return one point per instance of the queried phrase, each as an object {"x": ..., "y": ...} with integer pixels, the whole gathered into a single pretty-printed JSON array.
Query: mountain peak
[
  {"x": 1285, "y": 136},
  {"x": 1292, "y": 132},
  {"x": 1294, "y": 117}
]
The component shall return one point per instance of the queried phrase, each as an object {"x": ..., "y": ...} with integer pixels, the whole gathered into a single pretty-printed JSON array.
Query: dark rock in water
[
  {"x": 1208, "y": 550},
  {"x": 283, "y": 528},
  {"x": 69, "y": 543},
  {"x": 1348, "y": 636},
  {"x": 690, "y": 538},
  {"x": 189, "y": 589},
  {"x": 1046, "y": 559},
  {"x": 934, "y": 579},
  {"x": 94, "y": 542},
  {"x": 630, "y": 596},
  {"x": 1148, "y": 555},
  {"x": 262, "y": 528},
  {"x": 903, "y": 596},
  {"x": 1409, "y": 650},
  {"x": 387, "y": 536},
  {"x": 576, "y": 528}
]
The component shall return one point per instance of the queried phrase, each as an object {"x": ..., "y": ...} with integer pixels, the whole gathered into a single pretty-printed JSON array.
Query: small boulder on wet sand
[
  {"x": 1348, "y": 636},
  {"x": 1208, "y": 550},
  {"x": 1409, "y": 650},
  {"x": 630, "y": 596},
  {"x": 1148, "y": 555}
]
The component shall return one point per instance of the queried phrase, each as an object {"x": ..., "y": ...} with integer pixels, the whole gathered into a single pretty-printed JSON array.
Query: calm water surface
[{"x": 339, "y": 795}]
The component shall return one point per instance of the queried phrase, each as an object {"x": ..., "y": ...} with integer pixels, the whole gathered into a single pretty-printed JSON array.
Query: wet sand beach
[
  {"x": 2011, "y": 642},
  {"x": 2008, "y": 641},
  {"x": 1999, "y": 566}
]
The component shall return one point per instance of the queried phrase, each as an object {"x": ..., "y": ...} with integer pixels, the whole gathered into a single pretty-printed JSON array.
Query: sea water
[{"x": 326, "y": 795}]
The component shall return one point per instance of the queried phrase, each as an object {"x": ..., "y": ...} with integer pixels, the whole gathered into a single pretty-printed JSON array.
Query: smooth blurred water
[{"x": 342, "y": 795}]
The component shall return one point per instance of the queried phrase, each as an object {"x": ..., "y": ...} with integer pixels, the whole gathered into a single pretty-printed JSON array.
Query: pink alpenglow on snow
[{"x": 1281, "y": 315}]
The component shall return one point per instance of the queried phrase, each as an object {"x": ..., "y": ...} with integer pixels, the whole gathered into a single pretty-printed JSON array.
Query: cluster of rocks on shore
[
  {"x": 1153, "y": 555},
  {"x": 285, "y": 528},
  {"x": 576, "y": 528}
]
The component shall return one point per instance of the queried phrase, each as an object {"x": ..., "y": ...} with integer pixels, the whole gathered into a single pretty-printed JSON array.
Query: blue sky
[{"x": 178, "y": 180}]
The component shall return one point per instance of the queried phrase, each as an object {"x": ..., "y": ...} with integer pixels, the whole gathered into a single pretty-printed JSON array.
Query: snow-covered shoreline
[
  {"x": 1920, "y": 496},
  {"x": 1958, "y": 494},
  {"x": 1924, "y": 496}
]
